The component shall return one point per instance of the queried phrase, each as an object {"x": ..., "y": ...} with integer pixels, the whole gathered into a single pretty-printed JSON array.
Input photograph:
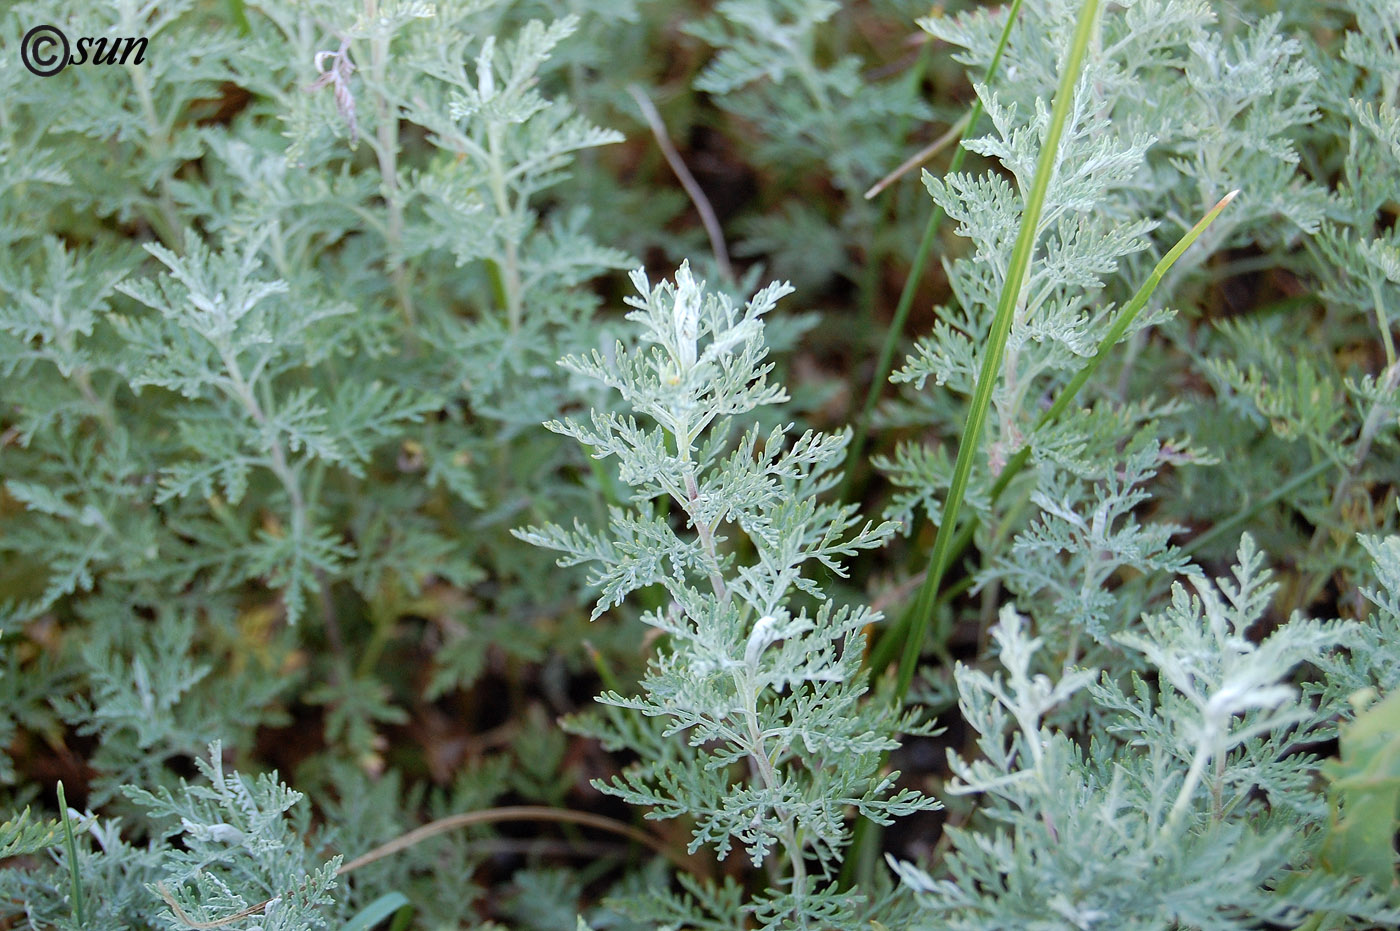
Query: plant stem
[
  {"x": 706, "y": 534},
  {"x": 692, "y": 188},
  {"x": 996, "y": 344},
  {"x": 953, "y": 135},
  {"x": 510, "y": 273},
  {"x": 1188, "y": 785},
  {"x": 764, "y": 767},
  {"x": 1383, "y": 322},
  {"x": 243, "y": 393},
  {"x": 916, "y": 273},
  {"x": 442, "y": 826},
  {"x": 167, "y": 220}
]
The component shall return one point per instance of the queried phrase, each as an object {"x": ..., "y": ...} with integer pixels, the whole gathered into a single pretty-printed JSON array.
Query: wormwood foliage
[
  {"x": 242, "y": 841},
  {"x": 235, "y": 842},
  {"x": 728, "y": 520},
  {"x": 280, "y": 312},
  {"x": 254, "y": 324},
  {"x": 781, "y": 65},
  {"x": 1182, "y": 810}
]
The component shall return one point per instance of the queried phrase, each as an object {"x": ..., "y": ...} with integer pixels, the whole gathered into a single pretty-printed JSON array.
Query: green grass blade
[
  {"x": 376, "y": 911},
  {"x": 70, "y": 847},
  {"x": 1017, "y": 272},
  {"x": 866, "y": 832},
  {"x": 238, "y": 15},
  {"x": 916, "y": 274}
]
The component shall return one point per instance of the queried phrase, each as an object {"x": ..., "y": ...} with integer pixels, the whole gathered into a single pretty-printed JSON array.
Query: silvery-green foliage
[
  {"x": 1089, "y": 224},
  {"x": 141, "y": 113},
  {"x": 114, "y": 871},
  {"x": 238, "y": 848},
  {"x": 241, "y": 841},
  {"x": 1101, "y": 211},
  {"x": 154, "y": 694},
  {"x": 1087, "y": 534},
  {"x": 1192, "y": 804},
  {"x": 1181, "y": 792},
  {"x": 1368, "y": 667},
  {"x": 787, "y": 66},
  {"x": 257, "y": 372},
  {"x": 218, "y": 340},
  {"x": 768, "y": 61},
  {"x": 752, "y": 676},
  {"x": 1136, "y": 168},
  {"x": 510, "y": 142},
  {"x": 1240, "y": 87},
  {"x": 207, "y": 411},
  {"x": 1125, "y": 168},
  {"x": 1323, "y": 406},
  {"x": 279, "y": 315}
]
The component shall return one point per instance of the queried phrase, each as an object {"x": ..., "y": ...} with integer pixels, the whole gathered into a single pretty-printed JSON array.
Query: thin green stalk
[
  {"x": 1383, "y": 322},
  {"x": 866, "y": 835},
  {"x": 1017, "y": 273},
  {"x": 238, "y": 15},
  {"x": 862, "y": 858},
  {"x": 1188, "y": 785},
  {"x": 71, "y": 853},
  {"x": 604, "y": 669},
  {"x": 510, "y": 265},
  {"x": 916, "y": 274},
  {"x": 1120, "y": 325}
]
